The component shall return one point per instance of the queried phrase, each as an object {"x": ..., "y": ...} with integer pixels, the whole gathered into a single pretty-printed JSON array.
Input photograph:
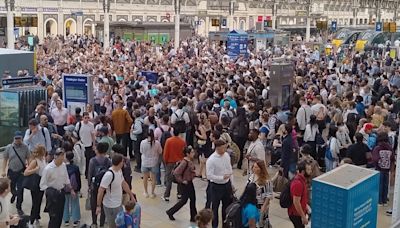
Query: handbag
[
  {"x": 201, "y": 142},
  {"x": 31, "y": 182}
]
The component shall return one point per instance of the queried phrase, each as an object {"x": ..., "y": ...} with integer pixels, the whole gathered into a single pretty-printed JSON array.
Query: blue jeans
[
  {"x": 383, "y": 187},
  {"x": 71, "y": 208},
  {"x": 329, "y": 164},
  {"x": 158, "y": 174}
]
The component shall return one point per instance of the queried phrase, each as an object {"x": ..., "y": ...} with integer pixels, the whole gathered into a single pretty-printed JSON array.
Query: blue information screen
[
  {"x": 237, "y": 45},
  {"x": 75, "y": 89}
]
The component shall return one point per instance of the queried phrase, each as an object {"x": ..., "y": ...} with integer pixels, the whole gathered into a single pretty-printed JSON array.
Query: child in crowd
[{"x": 130, "y": 217}]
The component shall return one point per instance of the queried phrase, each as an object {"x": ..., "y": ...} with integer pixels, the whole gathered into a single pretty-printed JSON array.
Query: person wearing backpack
[
  {"x": 137, "y": 134},
  {"x": 239, "y": 131},
  {"x": 332, "y": 149},
  {"x": 97, "y": 166},
  {"x": 109, "y": 196},
  {"x": 184, "y": 175},
  {"x": 126, "y": 170},
  {"x": 163, "y": 132},
  {"x": 249, "y": 212},
  {"x": 130, "y": 217},
  {"x": 85, "y": 131},
  {"x": 180, "y": 120},
  {"x": 298, "y": 195},
  {"x": 71, "y": 206}
]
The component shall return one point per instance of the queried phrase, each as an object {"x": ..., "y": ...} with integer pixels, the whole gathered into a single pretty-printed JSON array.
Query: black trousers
[
  {"x": 296, "y": 220},
  {"x": 240, "y": 142},
  {"x": 123, "y": 140},
  {"x": 89, "y": 153},
  {"x": 220, "y": 192},
  {"x": 138, "y": 154},
  {"x": 208, "y": 195},
  {"x": 37, "y": 197},
  {"x": 93, "y": 205},
  {"x": 55, "y": 210},
  {"x": 17, "y": 190},
  {"x": 188, "y": 192},
  {"x": 130, "y": 147}
]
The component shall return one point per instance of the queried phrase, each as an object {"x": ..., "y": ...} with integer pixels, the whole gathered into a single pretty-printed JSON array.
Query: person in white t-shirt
[
  {"x": 5, "y": 218},
  {"x": 111, "y": 187},
  {"x": 86, "y": 133}
]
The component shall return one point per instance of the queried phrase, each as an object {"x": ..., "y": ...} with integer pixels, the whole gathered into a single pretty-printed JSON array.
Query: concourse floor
[{"x": 153, "y": 210}]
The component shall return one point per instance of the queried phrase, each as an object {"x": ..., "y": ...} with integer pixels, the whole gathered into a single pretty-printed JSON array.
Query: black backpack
[
  {"x": 233, "y": 217},
  {"x": 145, "y": 131},
  {"x": 164, "y": 136},
  {"x": 180, "y": 123},
  {"x": 285, "y": 199},
  {"x": 99, "y": 171}
]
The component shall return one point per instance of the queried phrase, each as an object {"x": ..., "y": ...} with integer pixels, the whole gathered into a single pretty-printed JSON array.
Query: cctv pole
[
  {"x": 177, "y": 7},
  {"x": 106, "y": 9},
  {"x": 10, "y": 4}
]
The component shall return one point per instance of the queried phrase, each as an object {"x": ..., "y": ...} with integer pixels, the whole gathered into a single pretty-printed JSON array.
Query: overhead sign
[
  {"x": 392, "y": 27},
  {"x": 77, "y": 91},
  {"x": 151, "y": 77},
  {"x": 334, "y": 26},
  {"x": 378, "y": 26},
  {"x": 237, "y": 44},
  {"x": 17, "y": 81},
  {"x": 224, "y": 22}
]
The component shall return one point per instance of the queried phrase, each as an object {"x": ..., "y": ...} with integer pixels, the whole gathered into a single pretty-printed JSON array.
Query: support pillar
[
  {"x": 60, "y": 24},
  {"x": 106, "y": 42},
  {"x": 274, "y": 9},
  {"x": 308, "y": 28},
  {"x": 177, "y": 24},
  {"x": 93, "y": 30},
  {"x": 10, "y": 29},
  {"x": 79, "y": 25},
  {"x": 40, "y": 28}
]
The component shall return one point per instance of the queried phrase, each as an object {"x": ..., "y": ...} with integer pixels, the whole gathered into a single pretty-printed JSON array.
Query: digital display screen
[{"x": 75, "y": 92}]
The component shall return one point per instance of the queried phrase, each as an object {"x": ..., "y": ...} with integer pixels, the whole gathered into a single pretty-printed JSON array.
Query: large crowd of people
[{"x": 204, "y": 106}]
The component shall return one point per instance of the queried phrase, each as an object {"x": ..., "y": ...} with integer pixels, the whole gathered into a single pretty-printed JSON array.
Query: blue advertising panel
[
  {"x": 378, "y": 26},
  {"x": 237, "y": 44},
  {"x": 151, "y": 77},
  {"x": 77, "y": 91},
  {"x": 9, "y": 109}
]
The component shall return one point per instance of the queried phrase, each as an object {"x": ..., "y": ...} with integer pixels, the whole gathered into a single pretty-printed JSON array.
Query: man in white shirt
[
  {"x": 303, "y": 114},
  {"x": 219, "y": 173},
  {"x": 255, "y": 151},
  {"x": 111, "y": 187},
  {"x": 85, "y": 131},
  {"x": 54, "y": 180},
  {"x": 60, "y": 116}
]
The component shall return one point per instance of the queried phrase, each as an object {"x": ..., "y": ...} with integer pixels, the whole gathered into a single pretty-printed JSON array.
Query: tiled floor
[{"x": 153, "y": 210}]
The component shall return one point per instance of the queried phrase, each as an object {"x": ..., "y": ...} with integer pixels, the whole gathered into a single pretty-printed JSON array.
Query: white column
[
  {"x": 274, "y": 16},
  {"x": 60, "y": 24},
  {"x": 106, "y": 31},
  {"x": 177, "y": 7},
  {"x": 207, "y": 26},
  {"x": 177, "y": 30},
  {"x": 40, "y": 28},
  {"x": 93, "y": 29},
  {"x": 308, "y": 29},
  {"x": 79, "y": 25},
  {"x": 10, "y": 29}
]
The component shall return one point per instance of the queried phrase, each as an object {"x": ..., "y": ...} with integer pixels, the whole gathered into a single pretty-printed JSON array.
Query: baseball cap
[
  {"x": 69, "y": 128},
  {"x": 18, "y": 135},
  {"x": 59, "y": 151},
  {"x": 368, "y": 126}
]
